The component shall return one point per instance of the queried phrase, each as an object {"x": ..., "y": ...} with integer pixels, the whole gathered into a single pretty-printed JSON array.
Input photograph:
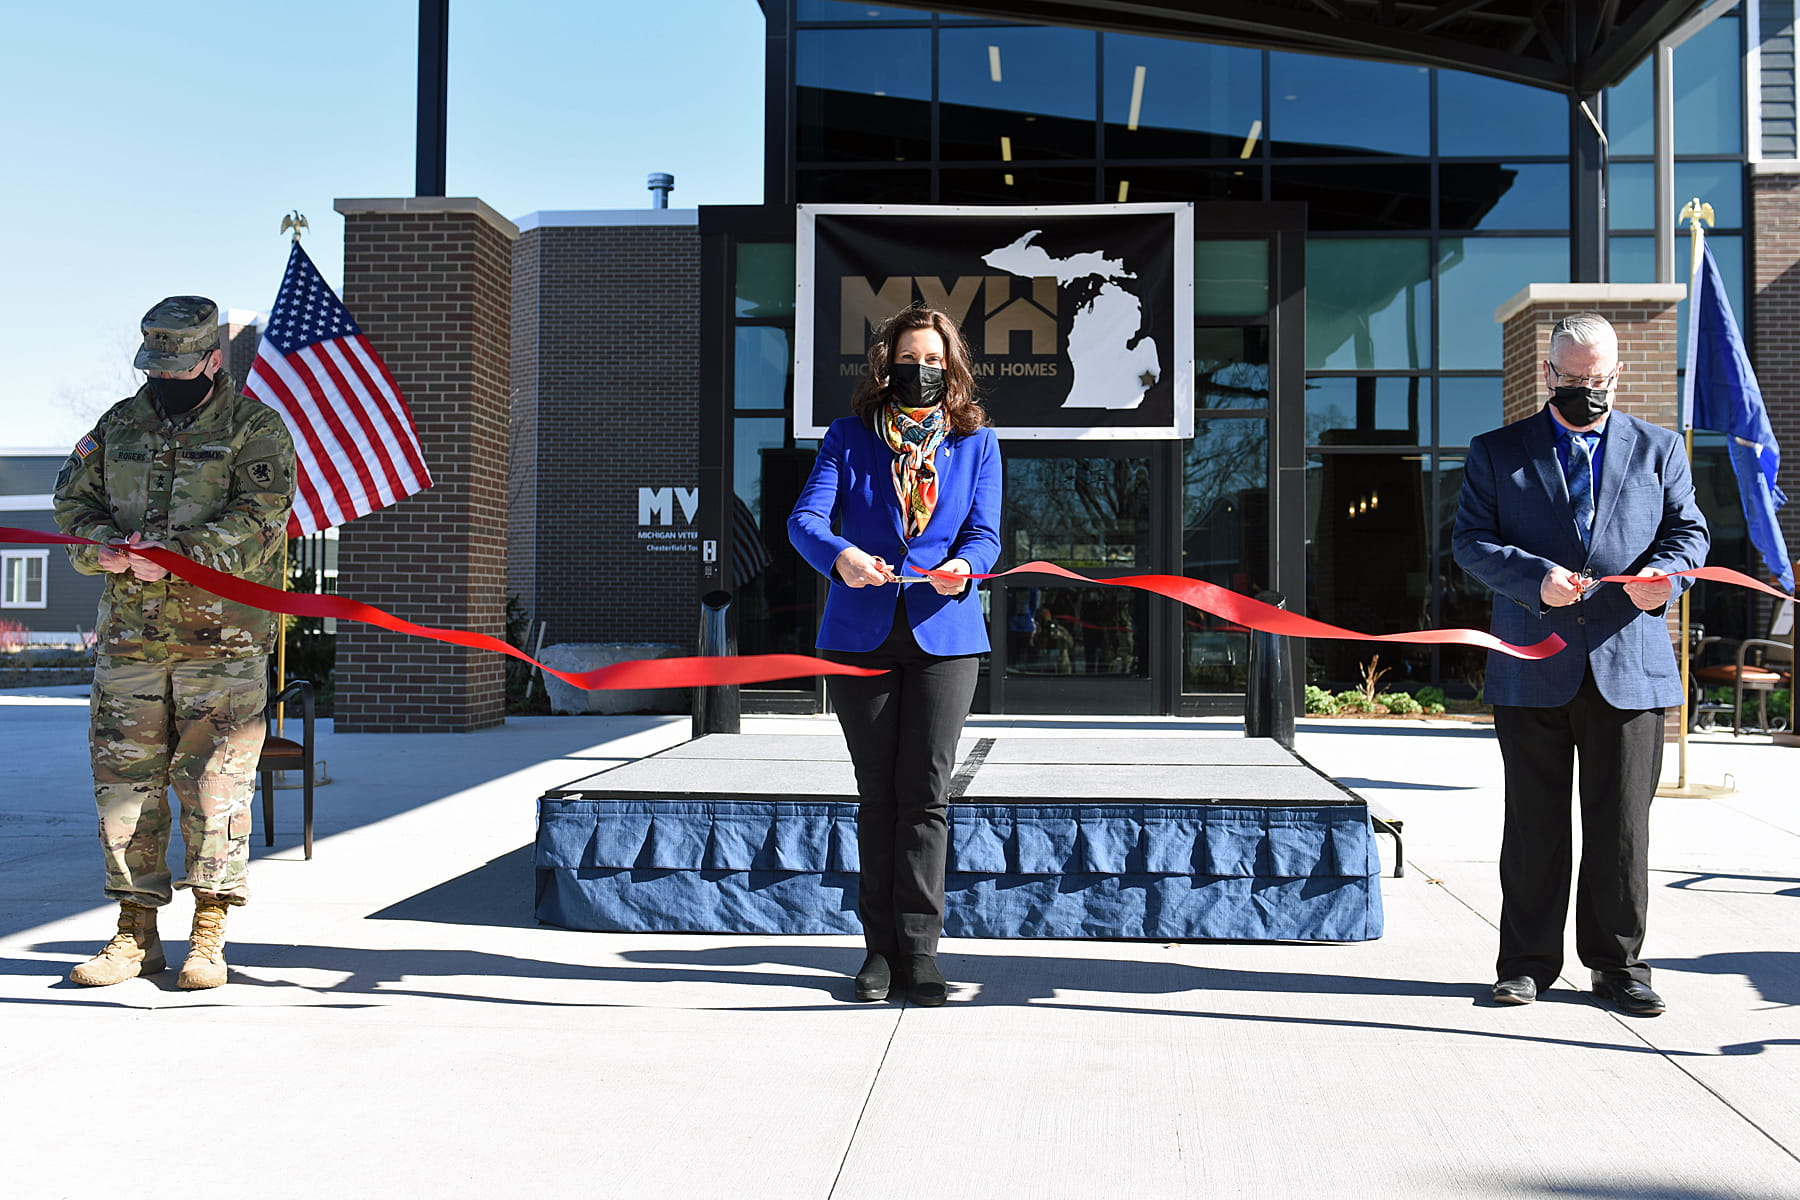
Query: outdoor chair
[
  {"x": 1760, "y": 665},
  {"x": 286, "y": 754}
]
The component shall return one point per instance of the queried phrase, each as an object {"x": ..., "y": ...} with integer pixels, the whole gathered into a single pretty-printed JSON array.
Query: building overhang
[{"x": 1577, "y": 47}]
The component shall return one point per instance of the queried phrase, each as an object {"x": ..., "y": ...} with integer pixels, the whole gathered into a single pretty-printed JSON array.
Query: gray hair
[{"x": 1584, "y": 329}]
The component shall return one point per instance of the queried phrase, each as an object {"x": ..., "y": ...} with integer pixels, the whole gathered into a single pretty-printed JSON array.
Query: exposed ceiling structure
[{"x": 1572, "y": 46}]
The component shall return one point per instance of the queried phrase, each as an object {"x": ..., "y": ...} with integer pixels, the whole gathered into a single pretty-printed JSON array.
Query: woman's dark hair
[{"x": 961, "y": 407}]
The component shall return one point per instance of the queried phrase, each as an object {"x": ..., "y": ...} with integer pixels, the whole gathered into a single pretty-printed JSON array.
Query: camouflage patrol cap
[{"x": 178, "y": 333}]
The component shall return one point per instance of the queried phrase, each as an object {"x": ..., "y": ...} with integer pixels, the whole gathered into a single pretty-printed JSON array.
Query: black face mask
[
  {"x": 916, "y": 385},
  {"x": 1581, "y": 405},
  {"x": 178, "y": 396}
]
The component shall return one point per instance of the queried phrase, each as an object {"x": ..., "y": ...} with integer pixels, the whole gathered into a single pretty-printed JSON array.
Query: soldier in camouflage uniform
[{"x": 180, "y": 677}]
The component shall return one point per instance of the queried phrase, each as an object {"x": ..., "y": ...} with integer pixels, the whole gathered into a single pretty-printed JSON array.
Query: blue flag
[{"x": 1722, "y": 395}]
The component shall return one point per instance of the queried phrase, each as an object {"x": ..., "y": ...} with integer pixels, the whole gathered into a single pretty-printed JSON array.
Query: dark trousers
[
  {"x": 901, "y": 729},
  {"x": 1620, "y": 753}
]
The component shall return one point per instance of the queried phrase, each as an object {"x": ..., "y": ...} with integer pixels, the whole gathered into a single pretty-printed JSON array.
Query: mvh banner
[{"x": 1080, "y": 317}]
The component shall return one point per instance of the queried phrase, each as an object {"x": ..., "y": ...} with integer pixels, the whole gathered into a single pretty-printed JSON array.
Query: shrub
[
  {"x": 1320, "y": 702},
  {"x": 1354, "y": 701},
  {"x": 1429, "y": 695},
  {"x": 1400, "y": 703}
]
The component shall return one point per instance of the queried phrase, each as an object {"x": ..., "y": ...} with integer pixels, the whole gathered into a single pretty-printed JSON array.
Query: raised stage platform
[{"x": 1168, "y": 838}]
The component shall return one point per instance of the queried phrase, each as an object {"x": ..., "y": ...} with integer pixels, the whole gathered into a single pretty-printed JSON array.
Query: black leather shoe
[
  {"x": 874, "y": 979},
  {"x": 1630, "y": 996},
  {"x": 925, "y": 984},
  {"x": 1521, "y": 990}
]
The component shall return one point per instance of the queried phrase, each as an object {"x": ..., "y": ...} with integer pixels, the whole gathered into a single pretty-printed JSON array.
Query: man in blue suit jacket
[{"x": 1549, "y": 504}]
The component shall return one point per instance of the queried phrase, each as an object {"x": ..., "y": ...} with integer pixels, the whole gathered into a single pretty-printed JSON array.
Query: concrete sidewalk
[{"x": 398, "y": 1025}]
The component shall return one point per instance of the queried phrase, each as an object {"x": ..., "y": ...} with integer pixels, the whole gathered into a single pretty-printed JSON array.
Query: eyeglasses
[{"x": 1590, "y": 381}]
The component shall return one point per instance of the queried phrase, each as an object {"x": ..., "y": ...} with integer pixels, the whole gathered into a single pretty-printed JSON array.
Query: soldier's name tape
[{"x": 726, "y": 670}]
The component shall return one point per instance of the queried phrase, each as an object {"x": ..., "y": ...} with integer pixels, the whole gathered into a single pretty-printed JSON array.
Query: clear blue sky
[{"x": 150, "y": 154}]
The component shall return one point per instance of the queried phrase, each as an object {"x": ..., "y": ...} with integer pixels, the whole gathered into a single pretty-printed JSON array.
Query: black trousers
[
  {"x": 901, "y": 729},
  {"x": 1620, "y": 753}
]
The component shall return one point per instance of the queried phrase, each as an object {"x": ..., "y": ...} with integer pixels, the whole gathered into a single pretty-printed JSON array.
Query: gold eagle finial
[{"x": 295, "y": 222}]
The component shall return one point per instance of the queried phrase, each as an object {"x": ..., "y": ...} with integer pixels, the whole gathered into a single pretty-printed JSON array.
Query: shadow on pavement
[
  {"x": 497, "y": 893},
  {"x": 1352, "y": 781},
  {"x": 384, "y": 975},
  {"x": 1775, "y": 974}
]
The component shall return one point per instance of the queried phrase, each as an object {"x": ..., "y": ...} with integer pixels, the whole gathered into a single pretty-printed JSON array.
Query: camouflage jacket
[{"x": 214, "y": 484}]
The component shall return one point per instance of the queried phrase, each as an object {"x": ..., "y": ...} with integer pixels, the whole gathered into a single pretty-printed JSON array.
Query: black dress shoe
[
  {"x": 1629, "y": 995},
  {"x": 1520, "y": 990},
  {"x": 874, "y": 979},
  {"x": 925, "y": 984}
]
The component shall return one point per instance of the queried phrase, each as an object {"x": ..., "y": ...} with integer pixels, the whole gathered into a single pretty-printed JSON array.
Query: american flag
[{"x": 354, "y": 441}]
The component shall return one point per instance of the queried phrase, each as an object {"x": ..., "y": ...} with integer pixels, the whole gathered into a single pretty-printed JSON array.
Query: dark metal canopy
[{"x": 1577, "y": 47}]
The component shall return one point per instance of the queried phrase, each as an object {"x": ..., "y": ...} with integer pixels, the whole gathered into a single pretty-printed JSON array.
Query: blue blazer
[
  {"x": 853, "y": 483},
  {"x": 1514, "y": 522}
]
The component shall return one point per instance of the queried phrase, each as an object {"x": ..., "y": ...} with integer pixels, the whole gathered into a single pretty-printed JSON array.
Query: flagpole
[
  {"x": 1693, "y": 212},
  {"x": 296, "y": 223}
]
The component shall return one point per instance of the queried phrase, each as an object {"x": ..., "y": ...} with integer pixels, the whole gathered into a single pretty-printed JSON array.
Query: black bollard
[
  {"x": 1269, "y": 692},
  {"x": 716, "y": 709}
]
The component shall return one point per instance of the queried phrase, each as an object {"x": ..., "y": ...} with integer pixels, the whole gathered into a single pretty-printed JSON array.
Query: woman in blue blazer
[{"x": 912, "y": 480}]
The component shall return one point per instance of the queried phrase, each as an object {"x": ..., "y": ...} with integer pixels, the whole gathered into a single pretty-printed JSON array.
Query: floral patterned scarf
[{"x": 914, "y": 435}]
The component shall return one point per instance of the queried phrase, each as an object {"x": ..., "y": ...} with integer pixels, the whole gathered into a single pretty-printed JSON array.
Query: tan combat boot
[
  {"x": 205, "y": 965},
  {"x": 134, "y": 950}
]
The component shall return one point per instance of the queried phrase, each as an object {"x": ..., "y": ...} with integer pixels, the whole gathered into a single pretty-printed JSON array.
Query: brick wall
[
  {"x": 1646, "y": 329},
  {"x": 607, "y": 374},
  {"x": 521, "y": 563},
  {"x": 430, "y": 282},
  {"x": 1774, "y": 328},
  {"x": 1643, "y": 315}
]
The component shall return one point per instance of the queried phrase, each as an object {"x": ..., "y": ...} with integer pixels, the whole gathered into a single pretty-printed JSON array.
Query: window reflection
[
  {"x": 1709, "y": 97},
  {"x": 1311, "y": 111},
  {"x": 1174, "y": 99},
  {"x": 1079, "y": 513},
  {"x": 1368, "y": 304},
  {"x": 1016, "y": 185},
  {"x": 1368, "y": 566},
  {"x": 1503, "y": 195},
  {"x": 1231, "y": 367},
  {"x": 765, "y": 279},
  {"x": 1479, "y": 116},
  {"x": 1076, "y": 631},
  {"x": 863, "y": 187},
  {"x": 1467, "y": 405},
  {"x": 1013, "y": 94},
  {"x": 775, "y": 608},
  {"x": 762, "y": 365},
  {"x": 1462, "y": 601},
  {"x": 864, "y": 95},
  {"x": 1475, "y": 277},
  {"x": 1144, "y": 184},
  {"x": 1224, "y": 540},
  {"x": 1631, "y": 192},
  {"x": 1366, "y": 197},
  {"x": 1368, "y": 410}
]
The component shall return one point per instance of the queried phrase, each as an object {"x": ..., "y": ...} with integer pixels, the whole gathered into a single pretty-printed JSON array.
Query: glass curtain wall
[{"x": 1433, "y": 199}]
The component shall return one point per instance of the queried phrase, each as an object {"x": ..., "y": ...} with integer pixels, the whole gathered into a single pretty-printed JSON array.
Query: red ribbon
[
  {"x": 1266, "y": 618},
  {"x": 1716, "y": 574},
  {"x": 761, "y": 668},
  {"x": 637, "y": 673}
]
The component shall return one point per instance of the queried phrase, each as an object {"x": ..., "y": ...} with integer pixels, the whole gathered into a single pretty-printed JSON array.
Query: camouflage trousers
[{"x": 196, "y": 726}]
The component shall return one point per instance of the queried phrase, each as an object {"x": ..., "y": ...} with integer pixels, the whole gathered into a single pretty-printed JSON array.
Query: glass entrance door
[{"x": 1061, "y": 647}]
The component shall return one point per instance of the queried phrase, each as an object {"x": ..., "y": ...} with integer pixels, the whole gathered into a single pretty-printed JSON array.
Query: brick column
[
  {"x": 1643, "y": 314},
  {"x": 430, "y": 282},
  {"x": 1774, "y": 329}
]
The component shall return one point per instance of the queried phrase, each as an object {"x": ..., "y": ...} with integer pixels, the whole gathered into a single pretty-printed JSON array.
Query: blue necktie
[{"x": 1581, "y": 485}]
